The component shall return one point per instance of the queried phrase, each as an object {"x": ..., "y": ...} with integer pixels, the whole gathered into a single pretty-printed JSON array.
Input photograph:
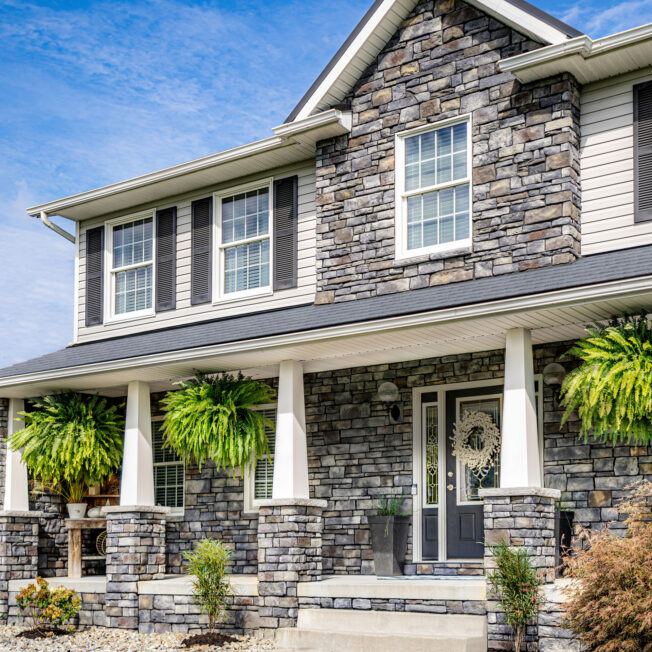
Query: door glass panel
[
  {"x": 432, "y": 455},
  {"x": 470, "y": 481}
]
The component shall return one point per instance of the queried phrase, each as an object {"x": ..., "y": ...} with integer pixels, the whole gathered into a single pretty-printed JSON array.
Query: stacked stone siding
[{"x": 443, "y": 63}]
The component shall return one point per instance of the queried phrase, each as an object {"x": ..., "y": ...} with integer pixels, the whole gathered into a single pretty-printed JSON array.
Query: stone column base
[
  {"x": 18, "y": 550},
  {"x": 289, "y": 552},
  {"x": 135, "y": 551},
  {"x": 520, "y": 517}
]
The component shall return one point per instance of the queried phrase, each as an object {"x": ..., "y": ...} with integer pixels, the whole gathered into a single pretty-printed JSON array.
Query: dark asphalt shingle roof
[{"x": 599, "y": 268}]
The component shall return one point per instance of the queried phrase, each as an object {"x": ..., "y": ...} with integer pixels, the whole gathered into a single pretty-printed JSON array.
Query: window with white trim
[
  {"x": 169, "y": 471},
  {"x": 433, "y": 185},
  {"x": 132, "y": 267},
  {"x": 244, "y": 242},
  {"x": 259, "y": 482}
]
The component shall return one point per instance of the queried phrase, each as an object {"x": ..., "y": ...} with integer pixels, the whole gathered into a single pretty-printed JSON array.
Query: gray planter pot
[{"x": 389, "y": 543}]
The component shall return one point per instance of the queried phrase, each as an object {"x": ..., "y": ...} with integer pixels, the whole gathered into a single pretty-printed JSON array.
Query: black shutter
[
  {"x": 200, "y": 269},
  {"x": 166, "y": 259},
  {"x": 286, "y": 222},
  {"x": 643, "y": 152},
  {"x": 94, "y": 275}
]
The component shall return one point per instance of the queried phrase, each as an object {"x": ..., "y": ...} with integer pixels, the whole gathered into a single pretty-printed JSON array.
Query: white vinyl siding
[
  {"x": 185, "y": 313},
  {"x": 607, "y": 163}
]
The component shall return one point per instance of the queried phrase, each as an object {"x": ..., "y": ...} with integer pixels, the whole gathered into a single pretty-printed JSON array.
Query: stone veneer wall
[{"x": 442, "y": 63}]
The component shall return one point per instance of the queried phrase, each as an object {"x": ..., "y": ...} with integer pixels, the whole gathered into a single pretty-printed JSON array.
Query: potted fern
[
  {"x": 69, "y": 442},
  {"x": 215, "y": 417}
]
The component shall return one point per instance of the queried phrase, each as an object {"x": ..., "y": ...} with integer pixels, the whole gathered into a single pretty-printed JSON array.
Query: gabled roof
[{"x": 383, "y": 19}]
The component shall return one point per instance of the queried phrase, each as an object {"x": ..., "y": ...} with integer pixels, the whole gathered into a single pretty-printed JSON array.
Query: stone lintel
[
  {"x": 12, "y": 513},
  {"x": 142, "y": 509},
  {"x": 506, "y": 492},
  {"x": 292, "y": 502}
]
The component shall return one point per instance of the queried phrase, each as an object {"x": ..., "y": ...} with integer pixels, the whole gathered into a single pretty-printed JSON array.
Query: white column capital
[
  {"x": 16, "y": 497},
  {"x": 291, "y": 449},
  {"x": 137, "y": 485},
  {"x": 520, "y": 464}
]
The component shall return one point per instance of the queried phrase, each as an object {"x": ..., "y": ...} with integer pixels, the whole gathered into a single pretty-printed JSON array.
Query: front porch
[{"x": 306, "y": 544}]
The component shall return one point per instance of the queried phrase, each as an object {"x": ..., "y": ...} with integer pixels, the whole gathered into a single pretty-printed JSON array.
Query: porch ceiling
[{"x": 324, "y": 349}]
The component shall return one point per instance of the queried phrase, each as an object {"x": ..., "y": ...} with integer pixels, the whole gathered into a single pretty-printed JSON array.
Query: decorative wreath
[{"x": 478, "y": 460}]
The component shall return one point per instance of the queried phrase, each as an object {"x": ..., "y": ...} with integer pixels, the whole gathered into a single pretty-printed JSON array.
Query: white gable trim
[{"x": 378, "y": 26}]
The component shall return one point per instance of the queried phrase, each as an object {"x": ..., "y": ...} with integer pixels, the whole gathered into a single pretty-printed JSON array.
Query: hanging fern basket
[
  {"x": 216, "y": 417},
  {"x": 611, "y": 390}
]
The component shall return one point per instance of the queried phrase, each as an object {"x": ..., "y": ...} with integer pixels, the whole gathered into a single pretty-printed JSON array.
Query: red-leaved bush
[{"x": 610, "y": 605}]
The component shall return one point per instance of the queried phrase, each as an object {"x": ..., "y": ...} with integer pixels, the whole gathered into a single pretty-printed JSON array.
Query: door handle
[{"x": 450, "y": 487}]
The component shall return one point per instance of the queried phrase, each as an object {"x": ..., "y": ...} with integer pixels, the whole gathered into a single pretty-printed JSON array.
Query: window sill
[
  {"x": 146, "y": 314},
  {"x": 401, "y": 261},
  {"x": 265, "y": 292}
]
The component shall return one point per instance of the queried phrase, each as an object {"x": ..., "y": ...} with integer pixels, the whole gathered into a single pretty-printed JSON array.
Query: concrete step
[{"x": 334, "y": 630}]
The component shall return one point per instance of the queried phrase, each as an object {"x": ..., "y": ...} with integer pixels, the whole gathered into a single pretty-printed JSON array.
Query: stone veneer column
[
  {"x": 18, "y": 550},
  {"x": 521, "y": 517},
  {"x": 289, "y": 552},
  {"x": 135, "y": 551}
]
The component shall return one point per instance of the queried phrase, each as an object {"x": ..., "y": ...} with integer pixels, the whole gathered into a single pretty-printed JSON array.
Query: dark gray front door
[{"x": 464, "y": 519}]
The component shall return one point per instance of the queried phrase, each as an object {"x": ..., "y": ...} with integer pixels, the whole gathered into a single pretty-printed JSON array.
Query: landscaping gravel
[{"x": 118, "y": 640}]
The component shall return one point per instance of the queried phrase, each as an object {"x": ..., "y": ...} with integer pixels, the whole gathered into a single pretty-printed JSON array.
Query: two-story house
[{"x": 465, "y": 186}]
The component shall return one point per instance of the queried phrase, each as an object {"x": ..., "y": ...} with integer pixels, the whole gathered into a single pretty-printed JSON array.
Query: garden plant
[{"x": 49, "y": 609}]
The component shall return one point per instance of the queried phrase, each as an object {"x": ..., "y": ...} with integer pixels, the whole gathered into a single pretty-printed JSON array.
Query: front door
[{"x": 464, "y": 518}]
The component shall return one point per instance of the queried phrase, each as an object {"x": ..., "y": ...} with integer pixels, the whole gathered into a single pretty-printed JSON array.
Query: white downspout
[{"x": 55, "y": 228}]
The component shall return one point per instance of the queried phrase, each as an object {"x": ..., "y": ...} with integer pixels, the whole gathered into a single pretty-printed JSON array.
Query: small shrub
[
  {"x": 516, "y": 586},
  {"x": 49, "y": 609},
  {"x": 212, "y": 588},
  {"x": 610, "y": 607}
]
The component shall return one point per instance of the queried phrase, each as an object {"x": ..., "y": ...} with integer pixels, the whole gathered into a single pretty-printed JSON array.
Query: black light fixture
[
  {"x": 553, "y": 377},
  {"x": 389, "y": 395}
]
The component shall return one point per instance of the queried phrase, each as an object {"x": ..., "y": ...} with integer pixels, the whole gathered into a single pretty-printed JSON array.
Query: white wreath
[{"x": 478, "y": 460}]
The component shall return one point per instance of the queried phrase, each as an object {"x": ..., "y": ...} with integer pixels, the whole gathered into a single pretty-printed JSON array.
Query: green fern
[
  {"x": 214, "y": 417},
  {"x": 71, "y": 441},
  {"x": 612, "y": 388}
]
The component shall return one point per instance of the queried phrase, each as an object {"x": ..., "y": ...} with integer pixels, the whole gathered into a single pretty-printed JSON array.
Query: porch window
[
  {"x": 244, "y": 242},
  {"x": 169, "y": 472},
  {"x": 258, "y": 483},
  {"x": 132, "y": 269},
  {"x": 433, "y": 186}
]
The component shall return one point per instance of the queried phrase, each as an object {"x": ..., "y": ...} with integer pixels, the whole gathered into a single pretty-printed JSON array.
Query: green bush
[
  {"x": 49, "y": 609},
  {"x": 208, "y": 562},
  {"x": 214, "y": 417},
  {"x": 71, "y": 441},
  {"x": 516, "y": 586},
  {"x": 612, "y": 388}
]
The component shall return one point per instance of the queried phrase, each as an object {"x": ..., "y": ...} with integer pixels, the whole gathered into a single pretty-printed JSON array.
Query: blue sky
[{"x": 96, "y": 92}]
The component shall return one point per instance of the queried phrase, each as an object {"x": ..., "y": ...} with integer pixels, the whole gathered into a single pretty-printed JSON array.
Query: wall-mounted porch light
[
  {"x": 553, "y": 377},
  {"x": 389, "y": 395}
]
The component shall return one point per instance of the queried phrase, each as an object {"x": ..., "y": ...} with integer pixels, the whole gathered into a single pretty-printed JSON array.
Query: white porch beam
[
  {"x": 137, "y": 485},
  {"x": 291, "y": 450},
  {"x": 519, "y": 453},
  {"x": 16, "y": 483}
]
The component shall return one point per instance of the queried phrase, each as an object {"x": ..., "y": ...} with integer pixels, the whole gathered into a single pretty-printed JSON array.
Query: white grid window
[
  {"x": 132, "y": 267},
  {"x": 258, "y": 484},
  {"x": 245, "y": 241},
  {"x": 434, "y": 189},
  {"x": 169, "y": 472}
]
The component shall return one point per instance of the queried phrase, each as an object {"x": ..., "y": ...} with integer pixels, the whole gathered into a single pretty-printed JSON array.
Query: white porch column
[
  {"x": 519, "y": 452},
  {"x": 16, "y": 484},
  {"x": 137, "y": 486},
  {"x": 291, "y": 450}
]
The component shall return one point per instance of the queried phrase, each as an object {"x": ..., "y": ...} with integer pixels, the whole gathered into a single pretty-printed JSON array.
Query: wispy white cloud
[{"x": 599, "y": 18}]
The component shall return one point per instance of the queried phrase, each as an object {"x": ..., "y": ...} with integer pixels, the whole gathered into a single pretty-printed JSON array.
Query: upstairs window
[
  {"x": 244, "y": 243},
  {"x": 433, "y": 189},
  {"x": 132, "y": 270}
]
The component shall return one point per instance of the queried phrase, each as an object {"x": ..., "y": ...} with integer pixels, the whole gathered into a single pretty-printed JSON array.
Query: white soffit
[
  {"x": 380, "y": 24},
  {"x": 586, "y": 59},
  {"x": 290, "y": 144}
]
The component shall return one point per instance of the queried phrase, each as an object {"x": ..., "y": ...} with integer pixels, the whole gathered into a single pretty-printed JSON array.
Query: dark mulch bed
[
  {"x": 211, "y": 638},
  {"x": 34, "y": 634}
]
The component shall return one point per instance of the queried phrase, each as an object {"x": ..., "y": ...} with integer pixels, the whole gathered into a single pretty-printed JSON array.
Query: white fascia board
[
  {"x": 283, "y": 136},
  {"x": 502, "y": 10},
  {"x": 583, "y": 46},
  {"x": 556, "y": 299}
]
